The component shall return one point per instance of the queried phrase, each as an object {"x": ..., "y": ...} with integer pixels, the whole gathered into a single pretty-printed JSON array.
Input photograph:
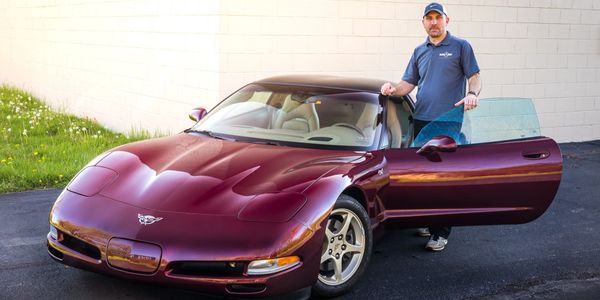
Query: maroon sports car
[{"x": 280, "y": 187}]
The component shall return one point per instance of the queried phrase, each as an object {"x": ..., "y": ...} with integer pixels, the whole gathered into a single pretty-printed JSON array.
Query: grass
[{"x": 41, "y": 148}]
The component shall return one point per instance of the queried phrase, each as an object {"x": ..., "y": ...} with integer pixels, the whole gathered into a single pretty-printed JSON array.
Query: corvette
[{"x": 281, "y": 187}]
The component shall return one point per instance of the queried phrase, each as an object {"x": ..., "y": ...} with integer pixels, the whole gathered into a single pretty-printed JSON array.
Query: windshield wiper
[
  {"x": 208, "y": 133},
  {"x": 266, "y": 143}
]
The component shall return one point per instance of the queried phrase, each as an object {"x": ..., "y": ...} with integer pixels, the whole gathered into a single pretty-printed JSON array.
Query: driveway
[{"x": 555, "y": 257}]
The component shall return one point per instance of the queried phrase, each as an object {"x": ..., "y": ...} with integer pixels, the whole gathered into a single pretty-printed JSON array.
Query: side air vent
[
  {"x": 80, "y": 246},
  {"x": 55, "y": 253}
]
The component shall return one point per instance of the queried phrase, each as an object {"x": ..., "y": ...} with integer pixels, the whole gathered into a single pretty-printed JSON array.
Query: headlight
[
  {"x": 270, "y": 266},
  {"x": 91, "y": 180},
  {"x": 97, "y": 159}
]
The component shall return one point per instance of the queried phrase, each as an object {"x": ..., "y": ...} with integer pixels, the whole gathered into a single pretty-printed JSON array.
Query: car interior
[
  {"x": 343, "y": 119},
  {"x": 398, "y": 123}
]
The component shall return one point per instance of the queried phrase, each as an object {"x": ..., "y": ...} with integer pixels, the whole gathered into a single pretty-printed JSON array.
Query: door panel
[{"x": 493, "y": 183}]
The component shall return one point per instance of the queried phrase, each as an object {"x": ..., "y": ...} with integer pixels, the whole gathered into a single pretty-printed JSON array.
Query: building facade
[{"x": 146, "y": 63}]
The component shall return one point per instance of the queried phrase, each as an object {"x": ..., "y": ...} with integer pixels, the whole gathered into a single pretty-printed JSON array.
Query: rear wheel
[{"x": 346, "y": 248}]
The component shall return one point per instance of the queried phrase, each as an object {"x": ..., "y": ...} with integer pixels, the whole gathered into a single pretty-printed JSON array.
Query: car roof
[{"x": 328, "y": 81}]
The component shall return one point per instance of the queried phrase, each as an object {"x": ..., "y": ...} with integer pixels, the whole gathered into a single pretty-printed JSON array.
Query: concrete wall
[
  {"x": 129, "y": 64},
  {"x": 146, "y": 63}
]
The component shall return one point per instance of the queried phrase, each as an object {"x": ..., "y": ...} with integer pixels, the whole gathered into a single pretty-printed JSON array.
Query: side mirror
[
  {"x": 197, "y": 114},
  {"x": 438, "y": 143}
]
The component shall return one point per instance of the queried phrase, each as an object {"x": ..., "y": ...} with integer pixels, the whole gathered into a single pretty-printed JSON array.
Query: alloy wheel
[{"x": 343, "y": 247}]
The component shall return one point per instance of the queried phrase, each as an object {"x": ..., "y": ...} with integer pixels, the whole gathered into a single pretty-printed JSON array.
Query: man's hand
[
  {"x": 470, "y": 101},
  {"x": 388, "y": 89}
]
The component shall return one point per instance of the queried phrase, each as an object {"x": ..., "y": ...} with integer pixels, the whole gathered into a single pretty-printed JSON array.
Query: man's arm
[
  {"x": 470, "y": 100},
  {"x": 401, "y": 89}
]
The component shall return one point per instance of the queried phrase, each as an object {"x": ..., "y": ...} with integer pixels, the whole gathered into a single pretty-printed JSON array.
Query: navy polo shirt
[{"x": 441, "y": 73}]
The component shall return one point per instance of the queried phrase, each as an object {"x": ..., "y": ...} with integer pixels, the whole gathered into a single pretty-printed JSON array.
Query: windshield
[
  {"x": 297, "y": 115},
  {"x": 494, "y": 119}
]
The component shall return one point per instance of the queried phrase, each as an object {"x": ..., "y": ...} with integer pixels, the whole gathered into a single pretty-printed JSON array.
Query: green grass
[{"x": 41, "y": 148}]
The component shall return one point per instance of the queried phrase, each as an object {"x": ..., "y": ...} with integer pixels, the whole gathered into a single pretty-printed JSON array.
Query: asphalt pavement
[{"x": 554, "y": 257}]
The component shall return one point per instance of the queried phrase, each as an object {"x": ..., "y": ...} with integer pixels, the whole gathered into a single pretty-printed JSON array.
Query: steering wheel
[{"x": 348, "y": 125}]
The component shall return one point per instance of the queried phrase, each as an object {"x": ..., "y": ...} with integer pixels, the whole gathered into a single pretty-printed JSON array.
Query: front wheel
[{"x": 346, "y": 248}]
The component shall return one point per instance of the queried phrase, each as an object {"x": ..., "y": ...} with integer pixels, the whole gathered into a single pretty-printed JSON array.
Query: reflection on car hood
[{"x": 189, "y": 173}]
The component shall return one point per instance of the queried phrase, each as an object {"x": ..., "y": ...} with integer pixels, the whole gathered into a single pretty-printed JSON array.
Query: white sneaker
[
  {"x": 423, "y": 231},
  {"x": 436, "y": 244}
]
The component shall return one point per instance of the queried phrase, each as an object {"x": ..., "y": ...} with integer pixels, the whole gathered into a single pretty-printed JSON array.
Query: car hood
[{"x": 197, "y": 174}]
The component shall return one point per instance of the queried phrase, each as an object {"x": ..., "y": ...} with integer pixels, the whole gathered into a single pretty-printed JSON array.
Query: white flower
[
  {"x": 9, "y": 129},
  {"x": 8, "y": 117},
  {"x": 24, "y": 131}
]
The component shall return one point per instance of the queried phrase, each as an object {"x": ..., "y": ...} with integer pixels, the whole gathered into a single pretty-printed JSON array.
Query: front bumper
[{"x": 206, "y": 253}]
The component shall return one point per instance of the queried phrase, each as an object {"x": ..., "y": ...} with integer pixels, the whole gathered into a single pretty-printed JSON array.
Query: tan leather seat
[
  {"x": 366, "y": 122},
  {"x": 297, "y": 116},
  {"x": 393, "y": 124}
]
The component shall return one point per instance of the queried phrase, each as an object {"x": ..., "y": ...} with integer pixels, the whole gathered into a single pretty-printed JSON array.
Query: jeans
[{"x": 435, "y": 231}]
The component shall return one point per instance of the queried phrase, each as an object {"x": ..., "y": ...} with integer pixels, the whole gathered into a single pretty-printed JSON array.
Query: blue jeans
[{"x": 435, "y": 231}]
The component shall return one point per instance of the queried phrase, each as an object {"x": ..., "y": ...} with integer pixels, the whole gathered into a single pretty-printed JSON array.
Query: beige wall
[{"x": 146, "y": 63}]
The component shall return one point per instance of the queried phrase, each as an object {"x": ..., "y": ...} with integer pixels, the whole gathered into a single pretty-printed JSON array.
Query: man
[{"x": 440, "y": 67}]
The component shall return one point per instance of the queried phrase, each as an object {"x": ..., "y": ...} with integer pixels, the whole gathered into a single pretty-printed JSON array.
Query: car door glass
[{"x": 494, "y": 119}]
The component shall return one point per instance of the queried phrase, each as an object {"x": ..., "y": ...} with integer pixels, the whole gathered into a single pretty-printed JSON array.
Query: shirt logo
[{"x": 445, "y": 54}]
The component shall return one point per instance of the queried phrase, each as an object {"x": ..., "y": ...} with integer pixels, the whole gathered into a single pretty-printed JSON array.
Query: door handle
[{"x": 538, "y": 154}]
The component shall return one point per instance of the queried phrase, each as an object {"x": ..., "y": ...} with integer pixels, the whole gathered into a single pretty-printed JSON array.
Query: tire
[{"x": 347, "y": 247}]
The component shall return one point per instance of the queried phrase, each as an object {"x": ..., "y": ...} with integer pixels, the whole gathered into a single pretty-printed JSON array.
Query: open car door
[{"x": 489, "y": 165}]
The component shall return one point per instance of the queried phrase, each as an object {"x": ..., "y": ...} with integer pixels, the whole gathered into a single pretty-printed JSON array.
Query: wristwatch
[{"x": 473, "y": 93}]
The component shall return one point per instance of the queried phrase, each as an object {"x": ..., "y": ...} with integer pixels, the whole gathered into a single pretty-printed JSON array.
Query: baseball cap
[{"x": 433, "y": 6}]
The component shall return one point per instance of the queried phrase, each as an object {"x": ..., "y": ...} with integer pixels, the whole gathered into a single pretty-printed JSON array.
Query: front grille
[
  {"x": 204, "y": 268},
  {"x": 80, "y": 246},
  {"x": 248, "y": 288}
]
